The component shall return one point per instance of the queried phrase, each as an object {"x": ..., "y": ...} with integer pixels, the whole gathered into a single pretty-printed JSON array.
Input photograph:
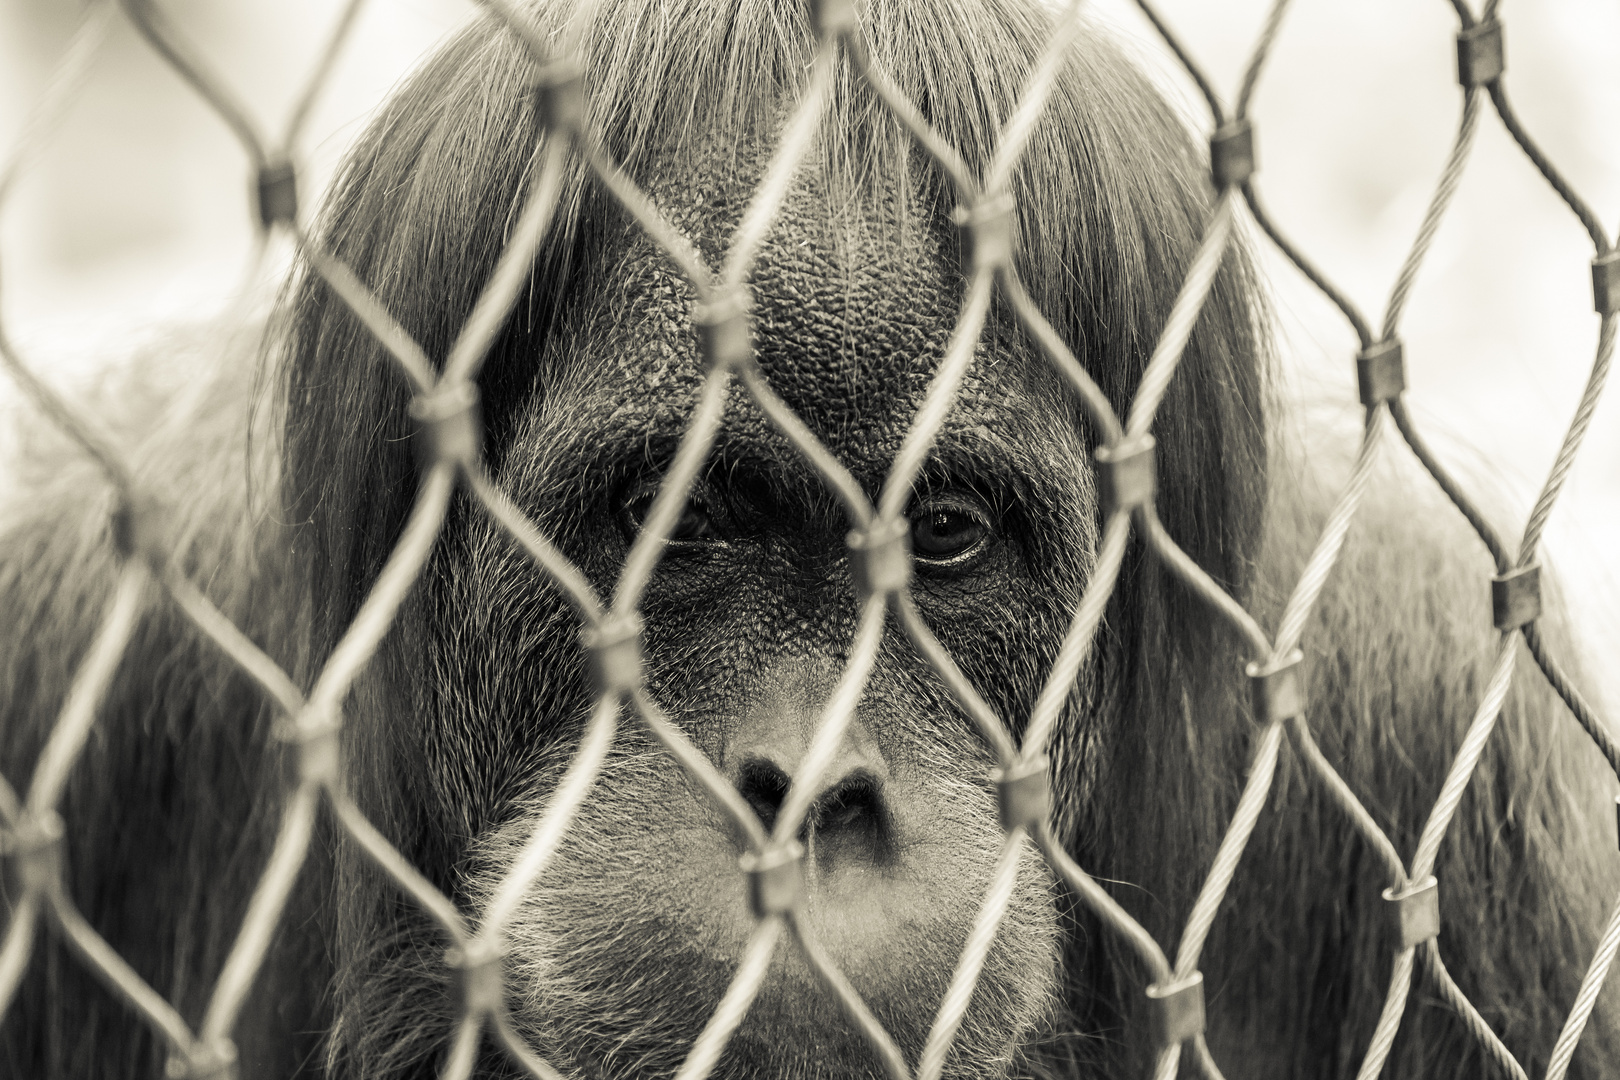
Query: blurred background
[{"x": 136, "y": 215}]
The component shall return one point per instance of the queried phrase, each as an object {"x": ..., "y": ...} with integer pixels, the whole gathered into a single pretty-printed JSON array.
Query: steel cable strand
[
  {"x": 786, "y": 161},
  {"x": 1190, "y": 299},
  {"x": 1262, "y": 770},
  {"x": 1448, "y": 484},
  {"x": 919, "y": 437},
  {"x": 494, "y": 1020},
  {"x": 539, "y": 547},
  {"x": 700, "y": 768},
  {"x": 991, "y": 728},
  {"x": 62, "y": 748},
  {"x": 903, "y": 109},
  {"x": 88, "y": 690},
  {"x": 832, "y": 472},
  {"x": 1197, "y": 578},
  {"x": 67, "y": 81},
  {"x": 287, "y": 857},
  {"x": 1305, "y": 266},
  {"x": 831, "y": 729},
  {"x": 107, "y": 456},
  {"x": 1339, "y": 791},
  {"x": 518, "y": 1050},
  {"x": 673, "y": 491},
  {"x": 1544, "y": 165},
  {"x": 675, "y": 244},
  {"x": 894, "y": 1063},
  {"x": 154, "y": 25},
  {"x": 392, "y": 863},
  {"x": 1184, "y": 313},
  {"x": 1075, "y": 650},
  {"x": 395, "y": 866},
  {"x": 1325, "y": 556},
  {"x": 1572, "y": 441},
  {"x": 1033, "y": 98},
  {"x": 18, "y": 945},
  {"x": 399, "y": 575},
  {"x": 1450, "y": 177},
  {"x": 115, "y": 973},
  {"x": 1104, "y": 906},
  {"x": 734, "y": 1004},
  {"x": 1468, "y": 755},
  {"x": 939, "y": 398},
  {"x": 160, "y": 33},
  {"x": 1594, "y": 726},
  {"x": 1059, "y": 355},
  {"x": 1193, "y": 70},
  {"x": 365, "y": 306},
  {"x": 1257, "y": 57},
  {"x": 1169, "y": 1063},
  {"x": 970, "y": 962},
  {"x": 1436, "y": 970},
  {"x": 521, "y": 25},
  {"x": 547, "y": 835},
  {"x": 230, "y": 640},
  {"x": 458, "y": 1063},
  {"x": 1204, "y": 1059},
  {"x": 316, "y": 81},
  {"x": 1389, "y": 1017},
  {"x": 1586, "y": 997},
  {"x": 512, "y": 270}
]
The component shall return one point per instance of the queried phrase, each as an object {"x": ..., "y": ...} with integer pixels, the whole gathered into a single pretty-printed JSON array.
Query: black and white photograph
[{"x": 809, "y": 540}]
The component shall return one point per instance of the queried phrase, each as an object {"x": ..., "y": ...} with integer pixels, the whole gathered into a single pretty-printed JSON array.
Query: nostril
[
  {"x": 763, "y": 785},
  {"x": 853, "y": 800},
  {"x": 852, "y": 819}
]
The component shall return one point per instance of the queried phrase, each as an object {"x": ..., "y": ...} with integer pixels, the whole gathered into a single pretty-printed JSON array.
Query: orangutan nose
[{"x": 848, "y": 820}]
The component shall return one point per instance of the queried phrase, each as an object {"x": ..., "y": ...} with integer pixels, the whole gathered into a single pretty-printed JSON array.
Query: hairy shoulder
[{"x": 185, "y": 418}]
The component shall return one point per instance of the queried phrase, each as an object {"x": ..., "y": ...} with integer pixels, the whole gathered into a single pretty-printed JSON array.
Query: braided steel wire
[{"x": 443, "y": 405}]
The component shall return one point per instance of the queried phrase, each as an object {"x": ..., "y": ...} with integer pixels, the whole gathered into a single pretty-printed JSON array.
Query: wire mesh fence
[{"x": 445, "y": 409}]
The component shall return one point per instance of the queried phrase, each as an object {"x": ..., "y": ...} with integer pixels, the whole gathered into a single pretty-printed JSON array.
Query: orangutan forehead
[{"x": 855, "y": 300}]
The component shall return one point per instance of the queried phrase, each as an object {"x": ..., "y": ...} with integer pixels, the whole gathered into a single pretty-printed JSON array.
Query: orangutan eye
[
  {"x": 948, "y": 530},
  {"x": 693, "y": 526}
]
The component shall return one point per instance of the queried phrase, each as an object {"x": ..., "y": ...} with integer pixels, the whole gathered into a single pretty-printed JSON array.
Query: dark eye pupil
[
  {"x": 939, "y": 534},
  {"x": 693, "y": 524}
]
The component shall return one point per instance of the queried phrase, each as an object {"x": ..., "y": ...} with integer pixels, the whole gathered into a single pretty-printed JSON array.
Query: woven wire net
[{"x": 445, "y": 410}]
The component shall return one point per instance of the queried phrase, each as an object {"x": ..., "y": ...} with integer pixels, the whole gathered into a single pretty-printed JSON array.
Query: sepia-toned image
[{"x": 809, "y": 539}]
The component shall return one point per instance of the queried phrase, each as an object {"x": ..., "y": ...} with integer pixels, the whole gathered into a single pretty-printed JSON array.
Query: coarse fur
[{"x": 458, "y": 731}]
